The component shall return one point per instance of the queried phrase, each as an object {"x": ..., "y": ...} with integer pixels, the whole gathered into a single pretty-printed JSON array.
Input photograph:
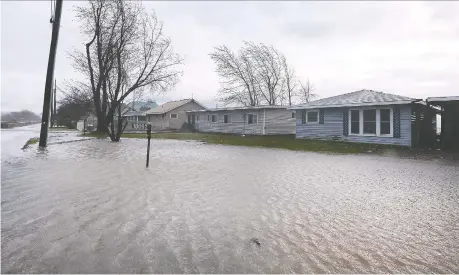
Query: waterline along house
[
  {"x": 251, "y": 120},
  {"x": 364, "y": 116}
]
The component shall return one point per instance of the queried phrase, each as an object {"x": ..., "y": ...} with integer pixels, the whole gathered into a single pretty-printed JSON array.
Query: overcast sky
[{"x": 407, "y": 48}]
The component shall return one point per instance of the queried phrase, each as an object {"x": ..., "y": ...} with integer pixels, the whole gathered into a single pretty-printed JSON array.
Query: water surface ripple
[{"x": 92, "y": 207}]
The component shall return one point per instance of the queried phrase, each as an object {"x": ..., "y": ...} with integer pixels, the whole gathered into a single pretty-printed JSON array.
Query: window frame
[
  {"x": 229, "y": 118},
  {"x": 350, "y": 122},
  {"x": 370, "y": 121},
  {"x": 307, "y": 116},
  {"x": 293, "y": 115},
  {"x": 209, "y": 117},
  {"x": 212, "y": 118},
  {"x": 197, "y": 117},
  {"x": 176, "y": 115},
  {"x": 378, "y": 121},
  {"x": 253, "y": 115}
]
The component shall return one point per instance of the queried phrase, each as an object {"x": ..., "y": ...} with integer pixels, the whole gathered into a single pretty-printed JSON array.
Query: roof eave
[
  {"x": 442, "y": 99},
  {"x": 307, "y": 107}
]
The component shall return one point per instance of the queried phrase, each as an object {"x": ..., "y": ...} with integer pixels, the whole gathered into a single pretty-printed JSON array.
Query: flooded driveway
[{"x": 93, "y": 207}]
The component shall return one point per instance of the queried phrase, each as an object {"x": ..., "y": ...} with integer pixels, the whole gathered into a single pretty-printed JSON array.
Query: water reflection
[{"x": 93, "y": 207}]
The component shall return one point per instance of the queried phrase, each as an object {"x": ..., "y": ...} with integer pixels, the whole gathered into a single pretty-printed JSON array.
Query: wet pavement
[{"x": 93, "y": 207}]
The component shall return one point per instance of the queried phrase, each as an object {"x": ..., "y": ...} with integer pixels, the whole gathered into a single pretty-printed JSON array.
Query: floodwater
[{"x": 93, "y": 207}]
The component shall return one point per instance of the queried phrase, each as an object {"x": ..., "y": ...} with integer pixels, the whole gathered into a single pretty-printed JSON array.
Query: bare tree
[
  {"x": 257, "y": 74},
  {"x": 268, "y": 67},
  {"x": 239, "y": 84},
  {"x": 291, "y": 84},
  {"x": 76, "y": 102},
  {"x": 126, "y": 52},
  {"x": 306, "y": 91}
]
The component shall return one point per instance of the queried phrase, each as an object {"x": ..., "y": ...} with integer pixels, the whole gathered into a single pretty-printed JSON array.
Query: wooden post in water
[{"x": 148, "y": 146}]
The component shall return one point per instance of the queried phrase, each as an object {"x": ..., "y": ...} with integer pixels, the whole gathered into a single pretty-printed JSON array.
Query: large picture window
[
  {"x": 372, "y": 122},
  {"x": 369, "y": 121}
]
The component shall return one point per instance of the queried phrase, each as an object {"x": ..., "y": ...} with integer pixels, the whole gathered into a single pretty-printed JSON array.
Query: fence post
[{"x": 148, "y": 146}]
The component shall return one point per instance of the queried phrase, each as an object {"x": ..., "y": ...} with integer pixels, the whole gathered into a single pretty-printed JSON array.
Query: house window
[
  {"x": 252, "y": 119},
  {"x": 208, "y": 117},
  {"x": 142, "y": 118},
  {"x": 214, "y": 118},
  {"x": 226, "y": 119},
  {"x": 312, "y": 116},
  {"x": 355, "y": 122},
  {"x": 173, "y": 115},
  {"x": 293, "y": 114},
  {"x": 197, "y": 117},
  {"x": 369, "y": 121},
  {"x": 384, "y": 122}
]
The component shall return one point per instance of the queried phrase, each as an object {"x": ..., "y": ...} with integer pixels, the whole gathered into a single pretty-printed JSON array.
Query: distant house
[
  {"x": 171, "y": 115},
  {"x": 253, "y": 120},
  {"x": 364, "y": 116},
  {"x": 137, "y": 110}
]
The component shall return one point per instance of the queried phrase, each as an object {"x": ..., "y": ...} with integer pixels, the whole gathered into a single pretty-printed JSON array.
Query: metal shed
[{"x": 449, "y": 111}]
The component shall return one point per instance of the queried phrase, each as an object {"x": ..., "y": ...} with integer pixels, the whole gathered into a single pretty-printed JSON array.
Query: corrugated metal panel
[
  {"x": 278, "y": 122},
  {"x": 333, "y": 128}
]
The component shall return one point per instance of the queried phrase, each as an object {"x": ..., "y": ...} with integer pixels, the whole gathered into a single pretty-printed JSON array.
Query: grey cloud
[{"x": 341, "y": 46}]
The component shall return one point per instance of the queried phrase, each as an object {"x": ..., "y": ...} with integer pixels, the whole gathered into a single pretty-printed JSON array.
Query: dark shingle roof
[{"x": 358, "y": 98}]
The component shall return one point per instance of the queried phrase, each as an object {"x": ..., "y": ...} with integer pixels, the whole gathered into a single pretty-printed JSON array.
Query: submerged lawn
[{"x": 280, "y": 141}]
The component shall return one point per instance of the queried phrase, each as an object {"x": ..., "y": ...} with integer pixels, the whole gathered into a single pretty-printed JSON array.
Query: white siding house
[{"x": 253, "y": 120}]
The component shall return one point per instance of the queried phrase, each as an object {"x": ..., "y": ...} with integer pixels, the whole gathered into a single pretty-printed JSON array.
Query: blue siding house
[{"x": 364, "y": 116}]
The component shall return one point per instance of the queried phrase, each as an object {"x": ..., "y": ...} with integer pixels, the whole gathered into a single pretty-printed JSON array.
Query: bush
[{"x": 186, "y": 127}]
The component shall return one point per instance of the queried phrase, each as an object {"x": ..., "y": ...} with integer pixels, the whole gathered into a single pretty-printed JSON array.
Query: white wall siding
[
  {"x": 278, "y": 122},
  {"x": 333, "y": 128}
]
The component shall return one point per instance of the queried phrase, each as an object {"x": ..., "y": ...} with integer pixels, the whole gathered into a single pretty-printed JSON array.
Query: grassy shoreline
[
  {"x": 30, "y": 142},
  {"x": 279, "y": 141}
]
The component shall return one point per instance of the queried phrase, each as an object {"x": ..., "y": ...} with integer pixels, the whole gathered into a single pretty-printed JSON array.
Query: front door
[{"x": 191, "y": 119}]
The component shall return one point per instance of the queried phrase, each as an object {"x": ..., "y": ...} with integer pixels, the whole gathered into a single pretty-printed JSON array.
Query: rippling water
[{"x": 92, "y": 207}]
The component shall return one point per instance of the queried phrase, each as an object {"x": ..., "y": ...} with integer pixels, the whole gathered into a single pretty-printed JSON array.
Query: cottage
[
  {"x": 253, "y": 120},
  {"x": 171, "y": 115},
  {"x": 363, "y": 116}
]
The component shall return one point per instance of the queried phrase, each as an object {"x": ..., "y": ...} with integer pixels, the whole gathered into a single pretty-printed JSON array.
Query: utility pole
[
  {"x": 50, "y": 75},
  {"x": 52, "y": 111}
]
